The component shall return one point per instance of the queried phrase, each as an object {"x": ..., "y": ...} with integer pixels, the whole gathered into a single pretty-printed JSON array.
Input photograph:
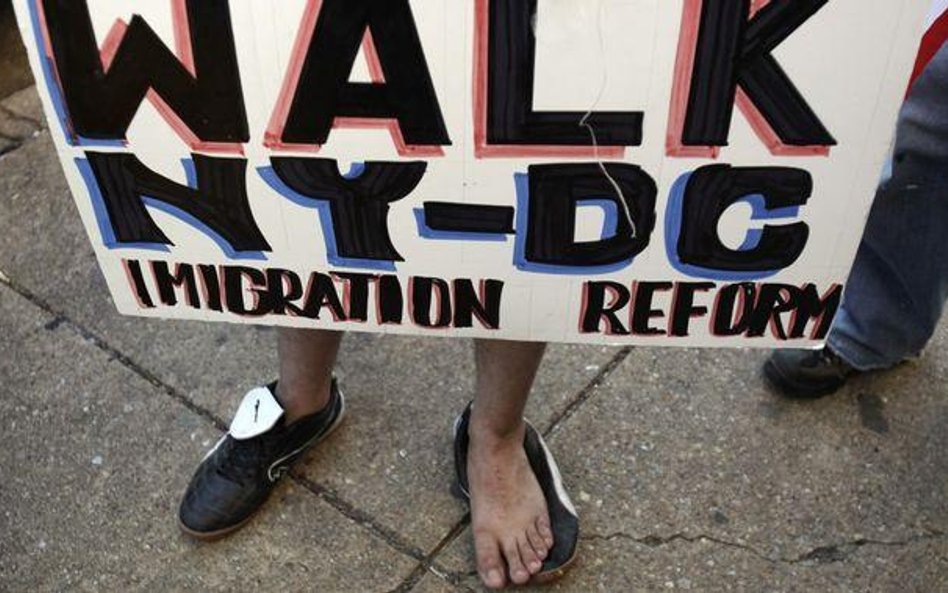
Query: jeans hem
[{"x": 858, "y": 356}]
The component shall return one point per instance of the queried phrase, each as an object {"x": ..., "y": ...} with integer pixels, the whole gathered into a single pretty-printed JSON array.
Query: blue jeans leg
[{"x": 899, "y": 282}]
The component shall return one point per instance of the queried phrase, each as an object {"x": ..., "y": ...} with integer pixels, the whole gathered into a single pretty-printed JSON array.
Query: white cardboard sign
[{"x": 663, "y": 172}]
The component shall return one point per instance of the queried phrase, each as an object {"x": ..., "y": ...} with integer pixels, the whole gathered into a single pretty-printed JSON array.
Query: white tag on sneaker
[{"x": 258, "y": 413}]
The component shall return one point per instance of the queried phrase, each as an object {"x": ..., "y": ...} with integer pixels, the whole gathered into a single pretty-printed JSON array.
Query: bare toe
[
  {"x": 518, "y": 572},
  {"x": 537, "y": 542},
  {"x": 543, "y": 527},
  {"x": 489, "y": 564},
  {"x": 529, "y": 555}
]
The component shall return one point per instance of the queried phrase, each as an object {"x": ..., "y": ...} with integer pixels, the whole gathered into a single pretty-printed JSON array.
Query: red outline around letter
[
  {"x": 184, "y": 53},
  {"x": 681, "y": 91}
]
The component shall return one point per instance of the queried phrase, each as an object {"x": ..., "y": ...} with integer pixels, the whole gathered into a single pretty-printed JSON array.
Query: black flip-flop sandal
[{"x": 563, "y": 519}]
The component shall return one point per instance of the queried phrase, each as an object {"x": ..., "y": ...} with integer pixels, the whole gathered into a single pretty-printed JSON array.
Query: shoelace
[
  {"x": 826, "y": 358},
  {"x": 242, "y": 461}
]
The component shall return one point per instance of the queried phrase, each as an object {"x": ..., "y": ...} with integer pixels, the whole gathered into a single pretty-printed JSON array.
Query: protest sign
[{"x": 663, "y": 172}]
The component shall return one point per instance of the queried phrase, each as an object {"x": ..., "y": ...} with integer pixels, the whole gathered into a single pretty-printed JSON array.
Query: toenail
[{"x": 493, "y": 577}]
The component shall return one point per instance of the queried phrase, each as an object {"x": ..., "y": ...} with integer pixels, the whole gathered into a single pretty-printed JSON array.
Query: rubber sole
[
  {"x": 211, "y": 536},
  {"x": 543, "y": 578}
]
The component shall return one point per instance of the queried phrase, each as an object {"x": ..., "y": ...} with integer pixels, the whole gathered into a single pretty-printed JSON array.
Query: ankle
[
  {"x": 301, "y": 401},
  {"x": 487, "y": 435}
]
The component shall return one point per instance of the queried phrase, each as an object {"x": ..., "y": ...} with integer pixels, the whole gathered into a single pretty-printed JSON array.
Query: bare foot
[{"x": 509, "y": 517}]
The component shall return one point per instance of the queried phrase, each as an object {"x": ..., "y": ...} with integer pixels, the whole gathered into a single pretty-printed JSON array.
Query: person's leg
[
  {"x": 307, "y": 357},
  {"x": 899, "y": 282},
  {"x": 508, "y": 512},
  {"x": 896, "y": 291}
]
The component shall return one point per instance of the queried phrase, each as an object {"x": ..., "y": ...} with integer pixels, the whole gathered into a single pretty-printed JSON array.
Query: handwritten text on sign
[{"x": 690, "y": 172}]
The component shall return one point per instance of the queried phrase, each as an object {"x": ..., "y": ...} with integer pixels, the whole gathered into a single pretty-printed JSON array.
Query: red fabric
[{"x": 934, "y": 38}]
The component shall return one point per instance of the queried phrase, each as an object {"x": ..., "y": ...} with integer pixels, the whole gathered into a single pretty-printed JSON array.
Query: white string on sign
[{"x": 584, "y": 121}]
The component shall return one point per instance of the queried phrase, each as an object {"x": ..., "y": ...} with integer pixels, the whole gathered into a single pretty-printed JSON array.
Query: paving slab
[
  {"x": 94, "y": 460},
  {"x": 691, "y": 444},
  {"x": 393, "y": 452}
]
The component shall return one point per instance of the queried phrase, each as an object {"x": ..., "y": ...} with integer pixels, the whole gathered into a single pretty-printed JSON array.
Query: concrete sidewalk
[{"x": 687, "y": 471}]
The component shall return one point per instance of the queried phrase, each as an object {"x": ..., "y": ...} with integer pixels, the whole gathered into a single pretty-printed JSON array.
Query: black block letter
[
  {"x": 219, "y": 201},
  {"x": 359, "y": 206},
  {"x": 324, "y": 92},
  {"x": 555, "y": 191},
  {"x": 733, "y": 51},
  {"x": 102, "y": 101},
  {"x": 713, "y": 189},
  {"x": 511, "y": 69}
]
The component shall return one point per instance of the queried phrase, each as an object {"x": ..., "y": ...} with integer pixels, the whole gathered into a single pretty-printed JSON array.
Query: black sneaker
[
  {"x": 238, "y": 474},
  {"x": 807, "y": 374}
]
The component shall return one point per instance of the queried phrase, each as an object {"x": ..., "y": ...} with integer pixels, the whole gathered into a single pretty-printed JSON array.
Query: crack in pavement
[
  {"x": 357, "y": 515},
  {"x": 14, "y": 115},
  {"x": 447, "y": 577},
  {"x": 18, "y": 143},
  {"x": 15, "y": 144},
  {"x": 428, "y": 564},
  {"x": 586, "y": 392},
  {"x": 826, "y": 554}
]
